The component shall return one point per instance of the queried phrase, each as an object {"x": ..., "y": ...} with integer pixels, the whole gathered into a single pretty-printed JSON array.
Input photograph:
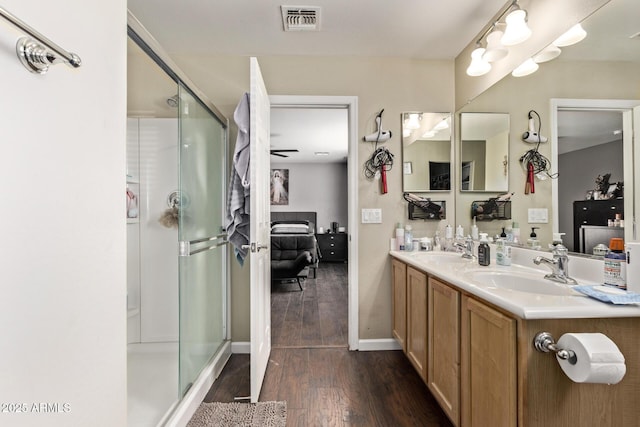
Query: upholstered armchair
[{"x": 291, "y": 255}]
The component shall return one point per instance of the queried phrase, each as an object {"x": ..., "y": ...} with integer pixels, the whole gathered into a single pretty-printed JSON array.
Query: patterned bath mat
[{"x": 236, "y": 414}]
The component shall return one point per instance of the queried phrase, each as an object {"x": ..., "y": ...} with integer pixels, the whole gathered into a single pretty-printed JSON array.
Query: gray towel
[{"x": 238, "y": 198}]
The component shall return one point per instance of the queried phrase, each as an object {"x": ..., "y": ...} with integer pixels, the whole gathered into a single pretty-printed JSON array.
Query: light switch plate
[
  {"x": 538, "y": 215},
  {"x": 371, "y": 216}
]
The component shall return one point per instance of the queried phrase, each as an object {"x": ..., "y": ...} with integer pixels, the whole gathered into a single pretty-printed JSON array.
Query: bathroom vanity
[{"x": 472, "y": 343}]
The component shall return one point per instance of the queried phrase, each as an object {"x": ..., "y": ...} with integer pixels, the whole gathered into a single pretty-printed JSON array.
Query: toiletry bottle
[
  {"x": 503, "y": 252},
  {"x": 557, "y": 240},
  {"x": 474, "y": 230},
  {"x": 503, "y": 235},
  {"x": 448, "y": 238},
  {"x": 533, "y": 242},
  {"x": 516, "y": 232},
  {"x": 615, "y": 264},
  {"x": 437, "y": 244},
  {"x": 459, "y": 232},
  {"x": 400, "y": 237},
  {"x": 484, "y": 252},
  {"x": 408, "y": 238},
  {"x": 509, "y": 233}
]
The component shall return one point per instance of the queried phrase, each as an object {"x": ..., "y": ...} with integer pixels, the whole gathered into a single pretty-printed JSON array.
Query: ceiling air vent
[{"x": 301, "y": 18}]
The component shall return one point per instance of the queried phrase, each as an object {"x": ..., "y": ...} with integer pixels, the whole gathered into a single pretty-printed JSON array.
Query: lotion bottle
[{"x": 474, "y": 230}]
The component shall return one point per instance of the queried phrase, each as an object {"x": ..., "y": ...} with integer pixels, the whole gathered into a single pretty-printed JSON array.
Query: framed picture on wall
[{"x": 279, "y": 186}]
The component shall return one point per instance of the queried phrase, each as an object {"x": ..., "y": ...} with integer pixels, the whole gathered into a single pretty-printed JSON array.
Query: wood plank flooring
[
  {"x": 311, "y": 368},
  {"x": 315, "y": 317}
]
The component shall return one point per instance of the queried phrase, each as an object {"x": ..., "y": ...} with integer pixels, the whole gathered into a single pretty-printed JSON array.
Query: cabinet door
[
  {"x": 444, "y": 347},
  {"x": 488, "y": 369},
  {"x": 399, "y": 295},
  {"x": 417, "y": 320}
]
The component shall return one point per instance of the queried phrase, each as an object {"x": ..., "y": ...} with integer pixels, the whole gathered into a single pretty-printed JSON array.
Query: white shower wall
[{"x": 153, "y": 271}]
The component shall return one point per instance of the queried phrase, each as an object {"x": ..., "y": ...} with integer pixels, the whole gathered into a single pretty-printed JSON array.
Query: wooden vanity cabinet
[
  {"x": 489, "y": 380},
  {"x": 417, "y": 320},
  {"x": 399, "y": 295},
  {"x": 443, "y": 354}
]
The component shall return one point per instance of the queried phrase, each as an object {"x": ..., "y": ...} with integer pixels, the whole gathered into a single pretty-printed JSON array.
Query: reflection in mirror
[
  {"x": 604, "y": 66},
  {"x": 484, "y": 152},
  {"x": 426, "y": 152}
]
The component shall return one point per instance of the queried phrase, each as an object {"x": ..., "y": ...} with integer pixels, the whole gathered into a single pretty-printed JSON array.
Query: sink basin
[
  {"x": 520, "y": 282},
  {"x": 441, "y": 257}
]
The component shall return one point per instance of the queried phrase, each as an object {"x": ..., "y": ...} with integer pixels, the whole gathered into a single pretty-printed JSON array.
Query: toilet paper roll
[{"x": 598, "y": 359}]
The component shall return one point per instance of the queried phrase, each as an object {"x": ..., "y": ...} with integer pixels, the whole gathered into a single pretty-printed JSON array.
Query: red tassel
[{"x": 383, "y": 173}]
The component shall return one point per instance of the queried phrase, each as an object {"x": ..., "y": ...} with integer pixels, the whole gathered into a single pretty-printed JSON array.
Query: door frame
[
  {"x": 626, "y": 107},
  {"x": 351, "y": 104}
]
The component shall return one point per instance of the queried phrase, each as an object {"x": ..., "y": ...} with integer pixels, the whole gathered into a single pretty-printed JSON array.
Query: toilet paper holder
[{"x": 544, "y": 342}]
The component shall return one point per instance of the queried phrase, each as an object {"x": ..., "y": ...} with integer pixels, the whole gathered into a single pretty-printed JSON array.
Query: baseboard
[
  {"x": 244, "y": 347},
  {"x": 193, "y": 398},
  {"x": 379, "y": 345},
  {"x": 241, "y": 347}
]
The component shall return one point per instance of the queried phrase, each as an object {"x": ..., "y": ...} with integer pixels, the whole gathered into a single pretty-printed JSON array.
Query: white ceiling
[
  {"x": 405, "y": 28},
  {"x": 402, "y": 28}
]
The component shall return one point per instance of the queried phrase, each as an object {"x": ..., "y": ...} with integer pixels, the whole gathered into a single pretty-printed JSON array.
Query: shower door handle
[{"x": 185, "y": 246}]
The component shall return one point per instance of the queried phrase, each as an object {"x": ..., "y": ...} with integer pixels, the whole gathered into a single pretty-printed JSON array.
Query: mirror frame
[{"x": 408, "y": 164}]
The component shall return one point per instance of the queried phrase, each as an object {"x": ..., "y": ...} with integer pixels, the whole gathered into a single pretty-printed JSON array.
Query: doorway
[
  {"x": 349, "y": 104},
  {"x": 624, "y": 112}
]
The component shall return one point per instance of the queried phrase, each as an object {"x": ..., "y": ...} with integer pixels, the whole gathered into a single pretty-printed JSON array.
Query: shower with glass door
[{"x": 177, "y": 252}]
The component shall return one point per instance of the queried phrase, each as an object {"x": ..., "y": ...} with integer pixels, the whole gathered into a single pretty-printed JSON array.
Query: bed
[{"x": 286, "y": 227}]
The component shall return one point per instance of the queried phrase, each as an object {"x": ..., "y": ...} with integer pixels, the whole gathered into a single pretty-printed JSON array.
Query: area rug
[{"x": 236, "y": 414}]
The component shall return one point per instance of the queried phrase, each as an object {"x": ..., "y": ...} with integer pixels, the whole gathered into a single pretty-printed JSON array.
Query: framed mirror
[
  {"x": 484, "y": 152},
  {"x": 426, "y": 152}
]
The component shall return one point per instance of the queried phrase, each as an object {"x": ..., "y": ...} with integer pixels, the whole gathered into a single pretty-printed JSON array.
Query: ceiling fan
[{"x": 278, "y": 152}]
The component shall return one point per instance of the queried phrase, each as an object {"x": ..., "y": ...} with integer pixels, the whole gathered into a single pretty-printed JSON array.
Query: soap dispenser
[
  {"x": 533, "y": 241},
  {"x": 484, "y": 251}
]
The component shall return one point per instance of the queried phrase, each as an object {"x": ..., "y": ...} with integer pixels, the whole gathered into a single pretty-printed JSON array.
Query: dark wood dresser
[{"x": 333, "y": 247}]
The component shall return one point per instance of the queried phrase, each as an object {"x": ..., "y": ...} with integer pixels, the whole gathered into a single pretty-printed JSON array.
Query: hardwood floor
[
  {"x": 337, "y": 387},
  {"x": 315, "y": 317},
  {"x": 322, "y": 382}
]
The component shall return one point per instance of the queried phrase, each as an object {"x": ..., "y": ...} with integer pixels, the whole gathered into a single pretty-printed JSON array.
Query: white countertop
[{"x": 567, "y": 305}]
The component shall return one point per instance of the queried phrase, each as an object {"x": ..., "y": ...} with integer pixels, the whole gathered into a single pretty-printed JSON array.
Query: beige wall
[
  {"x": 516, "y": 96},
  {"x": 394, "y": 84}
]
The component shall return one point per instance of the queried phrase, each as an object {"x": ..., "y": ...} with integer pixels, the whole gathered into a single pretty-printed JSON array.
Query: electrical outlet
[{"x": 371, "y": 216}]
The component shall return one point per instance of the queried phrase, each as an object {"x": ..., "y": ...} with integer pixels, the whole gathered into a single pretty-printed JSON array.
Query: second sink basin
[
  {"x": 441, "y": 257},
  {"x": 520, "y": 282}
]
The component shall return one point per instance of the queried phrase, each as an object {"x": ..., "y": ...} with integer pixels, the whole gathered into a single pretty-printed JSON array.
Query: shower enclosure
[{"x": 177, "y": 252}]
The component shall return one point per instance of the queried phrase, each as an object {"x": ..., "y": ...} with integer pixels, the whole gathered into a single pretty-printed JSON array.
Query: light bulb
[
  {"x": 526, "y": 68},
  {"x": 413, "y": 122},
  {"x": 478, "y": 66},
  {"x": 573, "y": 36},
  {"x": 547, "y": 54},
  {"x": 517, "y": 29},
  {"x": 495, "y": 50}
]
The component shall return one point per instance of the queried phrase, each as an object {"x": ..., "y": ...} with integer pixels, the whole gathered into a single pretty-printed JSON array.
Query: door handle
[{"x": 255, "y": 247}]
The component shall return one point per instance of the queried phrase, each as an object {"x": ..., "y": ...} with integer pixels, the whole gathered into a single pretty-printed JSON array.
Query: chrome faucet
[
  {"x": 559, "y": 265},
  {"x": 467, "y": 247}
]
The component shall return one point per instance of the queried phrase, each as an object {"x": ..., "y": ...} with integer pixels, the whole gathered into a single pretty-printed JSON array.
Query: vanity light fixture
[
  {"x": 495, "y": 50},
  {"x": 573, "y": 36},
  {"x": 527, "y": 67},
  {"x": 547, "y": 54},
  {"x": 442, "y": 125},
  {"x": 478, "y": 66},
  {"x": 429, "y": 134},
  {"x": 412, "y": 120},
  {"x": 406, "y": 133},
  {"x": 517, "y": 30}
]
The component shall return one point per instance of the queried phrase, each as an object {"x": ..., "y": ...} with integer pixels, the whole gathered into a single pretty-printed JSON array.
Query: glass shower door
[{"x": 202, "y": 270}]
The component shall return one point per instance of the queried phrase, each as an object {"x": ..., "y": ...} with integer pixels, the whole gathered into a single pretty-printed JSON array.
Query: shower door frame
[{"x": 190, "y": 401}]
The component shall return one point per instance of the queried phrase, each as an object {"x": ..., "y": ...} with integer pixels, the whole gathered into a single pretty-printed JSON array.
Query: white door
[{"x": 260, "y": 255}]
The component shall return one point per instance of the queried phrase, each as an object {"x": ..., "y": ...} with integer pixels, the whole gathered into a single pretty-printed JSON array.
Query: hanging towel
[{"x": 238, "y": 200}]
